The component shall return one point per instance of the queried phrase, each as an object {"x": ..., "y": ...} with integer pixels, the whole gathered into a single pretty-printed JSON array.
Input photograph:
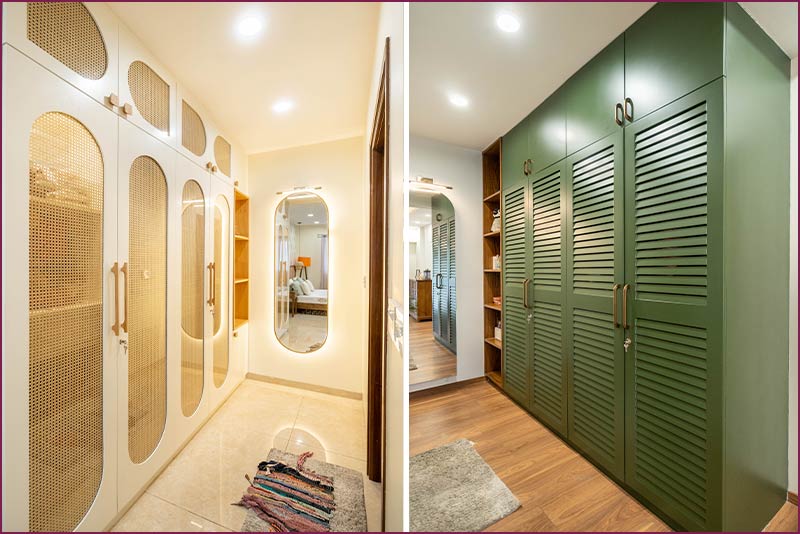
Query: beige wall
[
  {"x": 391, "y": 24},
  {"x": 338, "y": 167}
]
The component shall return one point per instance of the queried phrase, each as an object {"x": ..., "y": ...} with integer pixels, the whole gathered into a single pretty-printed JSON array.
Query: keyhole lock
[
  {"x": 124, "y": 344},
  {"x": 628, "y": 343}
]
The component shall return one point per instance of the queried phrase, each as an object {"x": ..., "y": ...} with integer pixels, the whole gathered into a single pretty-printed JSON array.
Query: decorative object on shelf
[
  {"x": 498, "y": 331},
  {"x": 417, "y": 274},
  {"x": 497, "y": 300},
  {"x": 496, "y": 221},
  {"x": 426, "y": 274},
  {"x": 496, "y": 262}
]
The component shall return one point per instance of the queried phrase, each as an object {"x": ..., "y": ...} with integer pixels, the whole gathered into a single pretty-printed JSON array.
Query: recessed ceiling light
[
  {"x": 459, "y": 101},
  {"x": 249, "y": 26},
  {"x": 310, "y": 214},
  {"x": 282, "y": 106},
  {"x": 316, "y": 222},
  {"x": 507, "y": 22}
]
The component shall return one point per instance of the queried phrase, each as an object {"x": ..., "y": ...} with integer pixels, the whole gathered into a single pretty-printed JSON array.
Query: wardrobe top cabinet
[
  {"x": 673, "y": 49},
  {"x": 86, "y": 45}
]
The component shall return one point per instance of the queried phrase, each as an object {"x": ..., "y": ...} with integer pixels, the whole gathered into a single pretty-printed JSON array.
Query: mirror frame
[{"x": 276, "y": 271}]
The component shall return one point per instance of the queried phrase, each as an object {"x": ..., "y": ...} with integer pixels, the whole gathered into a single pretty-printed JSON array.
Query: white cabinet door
[
  {"x": 221, "y": 320},
  {"x": 76, "y": 41},
  {"x": 60, "y": 347},
  {"x": 149, "y": 88},
  {"x": 146, "y": 178}
]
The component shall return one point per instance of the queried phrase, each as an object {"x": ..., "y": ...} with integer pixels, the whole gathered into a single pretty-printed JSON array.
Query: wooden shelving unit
[
  {"x": 492, "y": 246},
  {"x": 241, "y": 259}
]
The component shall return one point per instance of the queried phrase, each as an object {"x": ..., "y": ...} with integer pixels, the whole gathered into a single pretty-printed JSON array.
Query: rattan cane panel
[
  {"x": 65, "y": 383},
  {"x": 192, "y": 302},
  {"x": 147, "y": 308},
  {"x": 68, "y": 32},
  {"x": 221, "y": 282},
  {"x": 150, "y": 94},
  {"x": 222, "y": 154},
  {"x": 194, "y": 132}
]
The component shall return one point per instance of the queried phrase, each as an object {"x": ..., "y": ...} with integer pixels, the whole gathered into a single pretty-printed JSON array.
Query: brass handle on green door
[
  {"x": 617, "y": 111},
  {"x": 625, "y": 289},
  {"x": 525, "y": 293},
  {"x": 628, "y": 114},
  {"x": 614, "y": 303}
]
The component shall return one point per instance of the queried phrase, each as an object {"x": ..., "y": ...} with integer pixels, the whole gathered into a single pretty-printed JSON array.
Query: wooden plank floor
[
  {"x": 432, "y": 359},
  {"x": 558, "y": 489}
]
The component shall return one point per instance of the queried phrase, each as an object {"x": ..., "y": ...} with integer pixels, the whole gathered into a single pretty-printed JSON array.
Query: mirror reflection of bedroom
[
  {"x": 301, "y": 257},
  {"x": 432, "y": 286}
]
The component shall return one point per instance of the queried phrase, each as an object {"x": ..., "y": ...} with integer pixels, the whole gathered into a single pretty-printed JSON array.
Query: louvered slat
[
  {"x": 515, "y": 345},
  {"x": 546, "y": 200},
  {"x": 670, "y": 420},
  {"x": 671, "y": 209},
  {"x": 593, "y": 224},
  {"x": 547, "y": 360},
  {"x": 451, "y": 284},
  {"x": 514, "y": 260},
  {"x": 435, "y": 268}
]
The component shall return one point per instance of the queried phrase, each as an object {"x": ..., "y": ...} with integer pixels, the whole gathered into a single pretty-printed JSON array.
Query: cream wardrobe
[{"x": 117, "y": 341}]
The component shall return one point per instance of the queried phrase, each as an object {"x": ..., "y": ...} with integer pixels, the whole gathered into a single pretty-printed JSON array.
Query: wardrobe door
[
  {"x": 436, "y": 269},
  {"x": 443, "y": 286},
  {"x": 76, "y": 41},
  {"x": 221, "y": 234},
  {"x": 148, "y": 88},
  {"x": 591, "y": 96},
  {"x": 516, "y": 274},
  {"x": 595, "y": 274},
  {"x": 547, "y": 132},
  {"x": 146, "y": 177},
  {"x": 61, "y": 342},
  {"x": 548, "y": 281},
  {"x": 515, "y": 156},
  {"x": 670, "y": 51},
  {"x": 451, "y": 282},
  {"x": 673, "y": 243}
]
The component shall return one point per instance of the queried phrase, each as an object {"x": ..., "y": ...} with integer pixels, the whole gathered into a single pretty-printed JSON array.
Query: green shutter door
[
  {"x": 516, "y": 317},
  {"x": 444, "y": 266},
  {"x": 596, "y": 257},
  {"x": 673, "y": 225},
  {"x": 548, "y": 213},
  {"x": 672, "y": 50},
  {"x": 436, "y": 268},
  {"x": 451, "y": 283},
  {"x": 591, "y": 96}
]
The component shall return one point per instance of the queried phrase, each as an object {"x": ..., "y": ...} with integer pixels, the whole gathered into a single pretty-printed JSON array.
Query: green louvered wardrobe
[{"x": 645, "y": 265}]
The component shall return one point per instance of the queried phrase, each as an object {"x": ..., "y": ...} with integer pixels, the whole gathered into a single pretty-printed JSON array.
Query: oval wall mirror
[{"x": 301, "y": 272}]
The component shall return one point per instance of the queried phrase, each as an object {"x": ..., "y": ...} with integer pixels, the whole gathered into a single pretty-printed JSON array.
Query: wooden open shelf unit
[
  {"x": 492, "y": 246},
  {"x": 241, "y": 259}
]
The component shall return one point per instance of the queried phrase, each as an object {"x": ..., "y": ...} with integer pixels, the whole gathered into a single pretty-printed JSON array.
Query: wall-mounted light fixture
[
  {"x": 301, "y": 189},
  {"x": 423, "y": 183}
]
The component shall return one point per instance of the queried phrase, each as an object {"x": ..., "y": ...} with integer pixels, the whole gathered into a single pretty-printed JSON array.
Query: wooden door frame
[{"x": 377, "y": 293}]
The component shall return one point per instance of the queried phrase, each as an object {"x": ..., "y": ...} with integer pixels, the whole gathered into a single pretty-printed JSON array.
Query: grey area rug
[
  {"x": 348, "y": 492},
  {"x": 452, "y": 489}
]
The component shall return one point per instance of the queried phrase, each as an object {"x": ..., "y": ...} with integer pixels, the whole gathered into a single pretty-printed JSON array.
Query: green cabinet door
[
  {"x": 591, "y": 96},
  {"x": 516, "y": 273},
  {"x": 673, "y": 264},
  {"x": 595, "y": 272},
  {"x": 515, "y": 155},
  {"x": 548, "y": 297},
  {"x": 547, "y": 132},
  {"x": 672, "y": 50}
]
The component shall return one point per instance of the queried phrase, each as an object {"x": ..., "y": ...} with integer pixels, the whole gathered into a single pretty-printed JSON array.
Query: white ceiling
[
  {"x": 457, "y": 47},
  {"x": 307, "y": 211},
  {"x": 317, "y": 54}
]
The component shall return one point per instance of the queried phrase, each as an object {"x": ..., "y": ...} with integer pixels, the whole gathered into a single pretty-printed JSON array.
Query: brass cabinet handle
[
  {"x": 115, "y": 326},
  {"x": 625, "y": 289},
  {"x": 113, "y": 100},
  {"x": 127, "y": 109},
  {"x": 124, "y": 270},
  {"x": 614, "y": 302},
  {"x": 617, "y": 111},
  {"x": 214, "y": 270},
  {"x": 210, "y": 268},
  {"x": 525, "y": 293},
  {"x": 628, "y": 114},
  {"x": 525, "y": 167},
  {"x": 209, "y": 165}
]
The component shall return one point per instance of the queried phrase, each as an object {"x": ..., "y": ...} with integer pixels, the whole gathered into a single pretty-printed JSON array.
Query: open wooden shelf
[
  {"x": 241, "y": 259},
  {"x": 492, "y": 246}
]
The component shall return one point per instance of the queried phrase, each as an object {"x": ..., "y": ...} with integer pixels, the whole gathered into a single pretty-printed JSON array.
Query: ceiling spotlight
[
  {"x": 507, "y": 22},
  {"x": 458, "y": 101},
  {"x": 316, "y": 222},
  {"x": 249, "y": 26},
  {"x": 310, "y": 214},
  {"x": 282, "y": 106}
]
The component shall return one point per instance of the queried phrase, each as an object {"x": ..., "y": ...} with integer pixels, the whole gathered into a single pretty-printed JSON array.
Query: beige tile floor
[{"x": 195, "y": 492}]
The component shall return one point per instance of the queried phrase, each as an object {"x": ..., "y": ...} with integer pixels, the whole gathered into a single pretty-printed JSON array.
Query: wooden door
[
  {"x": 673, "y": 269},
  {"x": 62, "y": 345},
  {"x": 548, "y": 281},
  {"x": 516, "y": 277},
  {"x": 595, "y": 252}
]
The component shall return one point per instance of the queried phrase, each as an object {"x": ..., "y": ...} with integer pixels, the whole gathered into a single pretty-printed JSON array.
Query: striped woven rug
[{"x": 290, "y": 498}]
